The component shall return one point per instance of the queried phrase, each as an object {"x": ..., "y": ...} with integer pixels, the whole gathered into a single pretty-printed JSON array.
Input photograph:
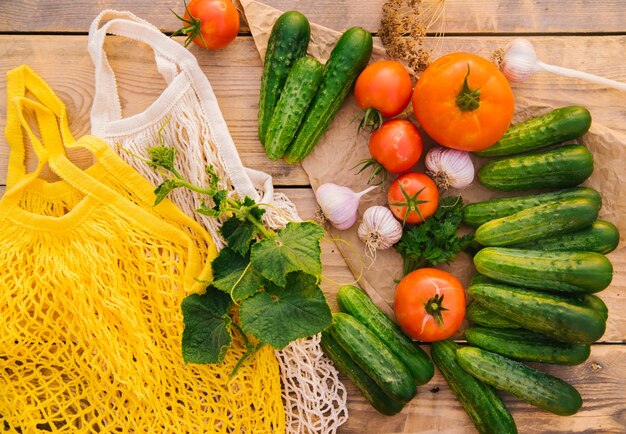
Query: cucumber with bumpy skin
[
  {"x": 373, "y": 356},
  {"x": 526, "y": 345},
  {"x": 480, "y": 401},
  {"x": 355, "y": 302},
  {"x": 535, "y": 387},
  {"x": 565, "y": 166},
  {"x": 288, "y": 42},
  {"x": 479, "y": 314},
  {"x": 302, "y": 83},
  {"x": 347, "y": 60},
  {"x": 554, "y": 127},
  {"x": 370, "y": 390}
]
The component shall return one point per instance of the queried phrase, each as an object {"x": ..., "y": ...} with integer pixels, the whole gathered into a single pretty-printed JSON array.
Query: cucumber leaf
[
  {"x": 207, "y": 335},
  {"x": 235, "y": 275},
  {"x": 294, "y": 248},
  {"x": 238, "y": 234},
  {"x": 279, "y": 315}
]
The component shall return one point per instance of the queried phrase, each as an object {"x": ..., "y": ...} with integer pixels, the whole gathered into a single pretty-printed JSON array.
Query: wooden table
[{"x": 50, "y": 36}]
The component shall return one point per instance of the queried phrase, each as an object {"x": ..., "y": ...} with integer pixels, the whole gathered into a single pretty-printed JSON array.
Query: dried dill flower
[{"x": 405, "y": 24}]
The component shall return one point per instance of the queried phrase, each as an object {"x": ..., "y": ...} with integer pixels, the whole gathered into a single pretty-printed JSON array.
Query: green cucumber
[
  {"x": 600, "y": 237},
  {"x": 475, "y": 214},
  {"x": 570, "y": 272},
  {"x": 355, "y": 302},
  {"x": 479, "y": 314},
  {"x": 596, "y": 303},
  {"x": 565, "y": 166},
  {"x": 565, "y": 319},
  {"x": 554, "y": 127},
  {"x": 535, "y": 387},
  {"x": 549, "y": 219},
  {"x": 288, "y": 42},
  {"x": 300, "y": 88},
  {"x": 347, "y": 60},
  {"x": 370, "y": 390},
  {"x": 526, "y": 345},
  {"x": 480, "y": 401},
  {"x": 373, "y": 356}
]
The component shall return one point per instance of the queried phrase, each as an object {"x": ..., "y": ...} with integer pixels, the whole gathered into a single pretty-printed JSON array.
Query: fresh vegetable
[
  {"x": 554, "y": 127},
  {"x": 436, "y": 240},
  {"x": 373, "y": 356},
  {"x": 379, "y": 229},
  {"x": 553, "y": 218},
  {"x": 480, "y": 401},
  {"x": 537, "y": 388},
  {"x": 288, "y": 42},
  {"x": 569, "y": 272},
  {"x": 463, "y": 102},
  {"x": 601, "y": 237},
  {"x": 272, "y": 275},
  {"x": 479, "y": 314},
  {"x": 395, "y": 147},
  {"x": 302, "y": 83},
  {"x": 475, "y": 214},
  {"x": 525, "y": 345},
  {"x": 565, "y": 319},
  {"x": 355, "y": 302},
  {"x": 565, "y": 166},
  {"x": 383, "y": 88},
  {"x": 449, "y": 168},
  {"x": 413, "y": 197},
  {"x": 339, "y": 204},
  {"x": 211, "y": 24},
  {"x": 429, "y": 304},
  {"x": 594, "y": 302},
  {"x": 347, "y": 60},
  {"x": 370, "y": 390}
]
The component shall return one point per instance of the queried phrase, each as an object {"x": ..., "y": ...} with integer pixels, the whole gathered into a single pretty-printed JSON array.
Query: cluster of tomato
[{"x": 462, "y": 102}]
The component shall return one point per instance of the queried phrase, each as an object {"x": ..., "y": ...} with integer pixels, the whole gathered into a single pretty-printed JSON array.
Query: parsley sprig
[{"x": 435, "y": 240}]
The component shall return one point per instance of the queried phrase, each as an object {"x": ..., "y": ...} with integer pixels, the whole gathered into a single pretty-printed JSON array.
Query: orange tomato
[
  {"x": 463, "y": 102},
  {"x": 429, "y": 304}
]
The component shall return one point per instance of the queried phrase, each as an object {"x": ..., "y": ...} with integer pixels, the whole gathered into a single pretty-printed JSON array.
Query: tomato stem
[
  {"x": 192, "y": 27},
  {"x": 377, "y": 169},
  {"x": 412, "y": 203},
  {"x": 434, "y": 307},
  {"x": 468, "y": 99},
  {"x": 373, "y": 119}
]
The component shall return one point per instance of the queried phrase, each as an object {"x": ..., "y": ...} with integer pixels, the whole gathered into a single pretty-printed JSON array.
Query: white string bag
[{"x": 191, "y": 120}]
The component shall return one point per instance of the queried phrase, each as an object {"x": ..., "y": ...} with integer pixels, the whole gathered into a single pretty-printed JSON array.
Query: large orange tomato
[
  {"x": 463, "y": 102},
  {"x": 429, "y": 304}
]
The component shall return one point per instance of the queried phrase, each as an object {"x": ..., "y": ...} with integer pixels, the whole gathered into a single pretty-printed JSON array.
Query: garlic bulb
[
  {"x": 449, "y": 168},
  {"x": 339, "y": 204},
  {"x": 379, "y": 229}
]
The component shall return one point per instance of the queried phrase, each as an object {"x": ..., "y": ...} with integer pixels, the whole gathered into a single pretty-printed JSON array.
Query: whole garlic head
[
  {"x": 449, "y": 167},
  {"x": 379, "y": 229},
  {"x": 520, "y": 60}
]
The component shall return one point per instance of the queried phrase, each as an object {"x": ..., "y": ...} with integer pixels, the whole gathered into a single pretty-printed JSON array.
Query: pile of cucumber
[
  {"x": 541, "y": 260},
  {"x": 382, "y": 362},
  {"x": 299, "y": 96}
]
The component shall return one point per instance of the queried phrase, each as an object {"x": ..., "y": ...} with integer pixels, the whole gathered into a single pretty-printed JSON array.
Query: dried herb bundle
[{"x": 405, "y": 24}]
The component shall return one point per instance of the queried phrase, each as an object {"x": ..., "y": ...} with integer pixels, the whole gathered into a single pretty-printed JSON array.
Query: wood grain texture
[{"x": 478, "y": 16}]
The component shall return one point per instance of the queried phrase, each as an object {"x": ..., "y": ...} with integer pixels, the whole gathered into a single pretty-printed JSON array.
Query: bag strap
[
  {"x": 21, "y": 80},
  {"x": 169, "y": 56}
]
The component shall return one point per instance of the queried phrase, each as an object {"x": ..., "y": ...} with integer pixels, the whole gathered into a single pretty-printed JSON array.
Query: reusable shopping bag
[
  {"x": 91, "y": 325},
  {"x": 188, "y": 117}
]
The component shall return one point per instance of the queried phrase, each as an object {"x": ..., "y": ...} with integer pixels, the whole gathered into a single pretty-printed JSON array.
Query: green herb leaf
[
  {"x": 164, "y": 189},
  {"x": 207, "y": 335},
  {"x": 294, "y": 248},
  {"x": 436, "y": 240},
  {"x": 238, "y": 234},
  {"x": 235, "y": 275},
  {"x": 162, "y": 156},
  {"x": 281, "y": 315}
]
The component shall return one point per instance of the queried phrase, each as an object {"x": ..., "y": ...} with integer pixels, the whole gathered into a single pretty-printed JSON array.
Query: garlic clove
[
  {"x": 449, "y": 168},
  {"x": 339, "y": 204}
]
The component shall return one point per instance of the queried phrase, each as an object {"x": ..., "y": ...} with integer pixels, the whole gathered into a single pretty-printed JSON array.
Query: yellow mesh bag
[{"x": 90, "y": 294}]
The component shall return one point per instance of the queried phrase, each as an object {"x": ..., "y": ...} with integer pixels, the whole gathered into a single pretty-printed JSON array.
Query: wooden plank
[
  {"x": 599, "y": 380},
  {"x": 479, "y": 16}
]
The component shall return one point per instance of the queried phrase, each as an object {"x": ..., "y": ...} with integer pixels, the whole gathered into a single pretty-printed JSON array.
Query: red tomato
[
  {"x": 463, "y": 102},
  {"x": 384, "y": 86},
  {"x": 396, "y": 145},
  {"x": 412, "y": 197},
  {"x": 210, "y": 24},
  {"x": 429, "y": 304}
]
